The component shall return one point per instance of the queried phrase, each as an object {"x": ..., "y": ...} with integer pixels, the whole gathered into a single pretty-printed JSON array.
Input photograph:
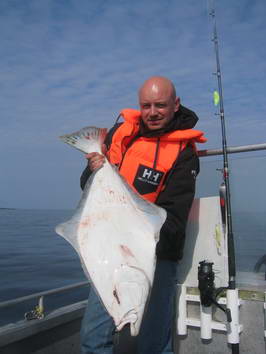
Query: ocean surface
[{"x": 34, "y": 258}]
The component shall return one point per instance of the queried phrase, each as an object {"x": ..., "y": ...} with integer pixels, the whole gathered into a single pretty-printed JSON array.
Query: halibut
[{"x": 114, "y": 231}]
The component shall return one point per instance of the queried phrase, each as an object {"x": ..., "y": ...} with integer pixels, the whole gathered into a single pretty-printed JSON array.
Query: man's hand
[{"x": 96, "y": 160}]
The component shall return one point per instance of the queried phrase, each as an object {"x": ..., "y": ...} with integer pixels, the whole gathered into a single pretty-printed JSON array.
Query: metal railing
[
  {"x": 42, "y": 294},
  {"x": 232, "y": 150}
]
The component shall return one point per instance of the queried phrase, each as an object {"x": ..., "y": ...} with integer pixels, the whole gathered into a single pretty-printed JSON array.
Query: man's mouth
[{"x": 154, "y": 120}]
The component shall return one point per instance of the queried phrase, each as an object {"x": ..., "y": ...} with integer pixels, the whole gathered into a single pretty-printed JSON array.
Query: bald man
[{"x": 154, "y": 149}]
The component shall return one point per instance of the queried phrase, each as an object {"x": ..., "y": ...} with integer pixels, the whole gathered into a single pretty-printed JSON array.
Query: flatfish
[{"x": 114, "y": 231}]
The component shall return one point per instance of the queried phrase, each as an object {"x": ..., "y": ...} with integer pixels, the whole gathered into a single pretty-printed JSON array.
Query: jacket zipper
[{"x": 156, "y": 153}]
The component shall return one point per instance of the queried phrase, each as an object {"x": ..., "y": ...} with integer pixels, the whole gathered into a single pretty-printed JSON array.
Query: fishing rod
[
  {"x": 231, "y": 249},
  {"x": 232, "y": 294}
]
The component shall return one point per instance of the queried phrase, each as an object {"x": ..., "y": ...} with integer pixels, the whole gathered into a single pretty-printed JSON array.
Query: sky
[{"x": 66, "y": 64}]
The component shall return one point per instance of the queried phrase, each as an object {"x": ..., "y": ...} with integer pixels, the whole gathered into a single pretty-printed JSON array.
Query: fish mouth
[{"x": 132, "y": 321}]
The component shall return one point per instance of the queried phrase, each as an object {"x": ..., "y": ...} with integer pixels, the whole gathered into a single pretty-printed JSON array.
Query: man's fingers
[
  {"x": 95, "y": 165},
  {"x": 95, "y": 160},
  {"x": 91, "y": 155}
]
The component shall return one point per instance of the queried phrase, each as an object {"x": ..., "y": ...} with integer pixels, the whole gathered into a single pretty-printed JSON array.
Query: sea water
[{"x": 34, "y": 258}]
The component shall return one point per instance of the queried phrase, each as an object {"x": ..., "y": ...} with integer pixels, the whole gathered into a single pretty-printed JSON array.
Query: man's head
[{"x": 158, "y": 102}]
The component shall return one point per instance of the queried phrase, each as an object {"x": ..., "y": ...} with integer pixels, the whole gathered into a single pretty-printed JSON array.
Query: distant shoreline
[{"x": 7, "y": 208}]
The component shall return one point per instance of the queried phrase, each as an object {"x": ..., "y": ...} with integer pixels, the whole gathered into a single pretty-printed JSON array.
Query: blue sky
[{"x": 66, "y": 64}]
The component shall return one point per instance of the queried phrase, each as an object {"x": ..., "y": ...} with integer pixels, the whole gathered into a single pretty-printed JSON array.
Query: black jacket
[{"x": 179, "y": 191}]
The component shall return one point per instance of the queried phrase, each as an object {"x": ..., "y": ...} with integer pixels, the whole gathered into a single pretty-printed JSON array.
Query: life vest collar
[{"x": 133, "y": 116}]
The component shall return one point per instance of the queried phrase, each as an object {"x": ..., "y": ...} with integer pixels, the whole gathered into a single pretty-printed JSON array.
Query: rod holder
[
  {"x": 205, "y": 322},
  {"x": 233, "y": 305}
]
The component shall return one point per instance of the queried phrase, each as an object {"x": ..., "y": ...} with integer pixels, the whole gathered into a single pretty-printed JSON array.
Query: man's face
[{"x": 157, "y": 106}]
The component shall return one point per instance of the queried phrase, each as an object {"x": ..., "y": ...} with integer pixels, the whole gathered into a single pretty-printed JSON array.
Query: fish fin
[
  {"x": 68, "y": 230},
  {"x": 88, "y": 139}
]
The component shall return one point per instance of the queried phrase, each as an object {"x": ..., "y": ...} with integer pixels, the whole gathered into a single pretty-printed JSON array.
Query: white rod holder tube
[
  {"x": 182, "y": 310},
  {"x": 233, "y": 305},
  {"x": 205, "y": 322}
]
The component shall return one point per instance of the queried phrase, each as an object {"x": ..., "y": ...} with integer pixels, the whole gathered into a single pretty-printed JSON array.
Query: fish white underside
[{"x": 115, "y": 232}]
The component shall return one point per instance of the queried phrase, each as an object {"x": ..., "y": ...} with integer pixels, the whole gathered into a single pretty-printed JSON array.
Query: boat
[{"x": 212, "y": 317}]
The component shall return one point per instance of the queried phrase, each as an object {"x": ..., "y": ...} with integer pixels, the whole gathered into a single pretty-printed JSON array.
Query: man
[{"x": 154, "y": 149}]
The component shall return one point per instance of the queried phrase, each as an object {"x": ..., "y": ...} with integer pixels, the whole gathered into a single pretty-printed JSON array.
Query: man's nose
[{"x": 153, "y": 110}]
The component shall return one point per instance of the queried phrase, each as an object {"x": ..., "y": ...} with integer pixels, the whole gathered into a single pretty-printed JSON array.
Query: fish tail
[{"x": 88, "y": 139}]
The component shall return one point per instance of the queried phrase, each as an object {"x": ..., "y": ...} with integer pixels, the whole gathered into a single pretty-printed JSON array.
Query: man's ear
[{"x": 177, "y": 104}]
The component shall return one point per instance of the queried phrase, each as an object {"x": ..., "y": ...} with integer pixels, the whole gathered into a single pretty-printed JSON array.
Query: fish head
[{"x": 131, "y": 291}]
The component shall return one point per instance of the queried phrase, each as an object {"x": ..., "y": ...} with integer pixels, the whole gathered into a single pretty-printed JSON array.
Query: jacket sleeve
[{"x": 176, "y": 199}]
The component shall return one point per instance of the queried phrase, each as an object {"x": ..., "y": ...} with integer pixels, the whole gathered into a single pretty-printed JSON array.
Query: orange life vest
[{"x": 144, "y": 162}]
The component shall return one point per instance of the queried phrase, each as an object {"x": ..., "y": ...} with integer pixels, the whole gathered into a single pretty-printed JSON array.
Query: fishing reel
[
  {"x": 208, "y": 293},
  {"x": 36, "y": 314},
  {"x": 206, "y": 283}
]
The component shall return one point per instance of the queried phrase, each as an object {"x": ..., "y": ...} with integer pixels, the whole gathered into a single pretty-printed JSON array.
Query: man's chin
[{"x": 154, "y": 126}]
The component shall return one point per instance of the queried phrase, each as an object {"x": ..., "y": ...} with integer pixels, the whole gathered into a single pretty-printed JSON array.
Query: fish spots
[
  {"x": 126, "y": 251},
  {"x": 85, "y": 222},
  {"x": 112, "y": 196},
  {"x": 123, "y": 199},
  {"x": 116, "y": 296},
  {"x": 117, "y": 197},
  {"x": 93, "y": 218}
]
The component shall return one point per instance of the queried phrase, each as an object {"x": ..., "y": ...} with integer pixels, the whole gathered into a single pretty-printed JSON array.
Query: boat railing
[
  {"x": 38, "y": 311},
  {"x": 231, "y": 150}
]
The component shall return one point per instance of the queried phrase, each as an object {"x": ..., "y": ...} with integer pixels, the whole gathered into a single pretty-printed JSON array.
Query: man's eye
[
  {"x": 160, "y": 105},
  {"x": 145, "y": 106}
]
